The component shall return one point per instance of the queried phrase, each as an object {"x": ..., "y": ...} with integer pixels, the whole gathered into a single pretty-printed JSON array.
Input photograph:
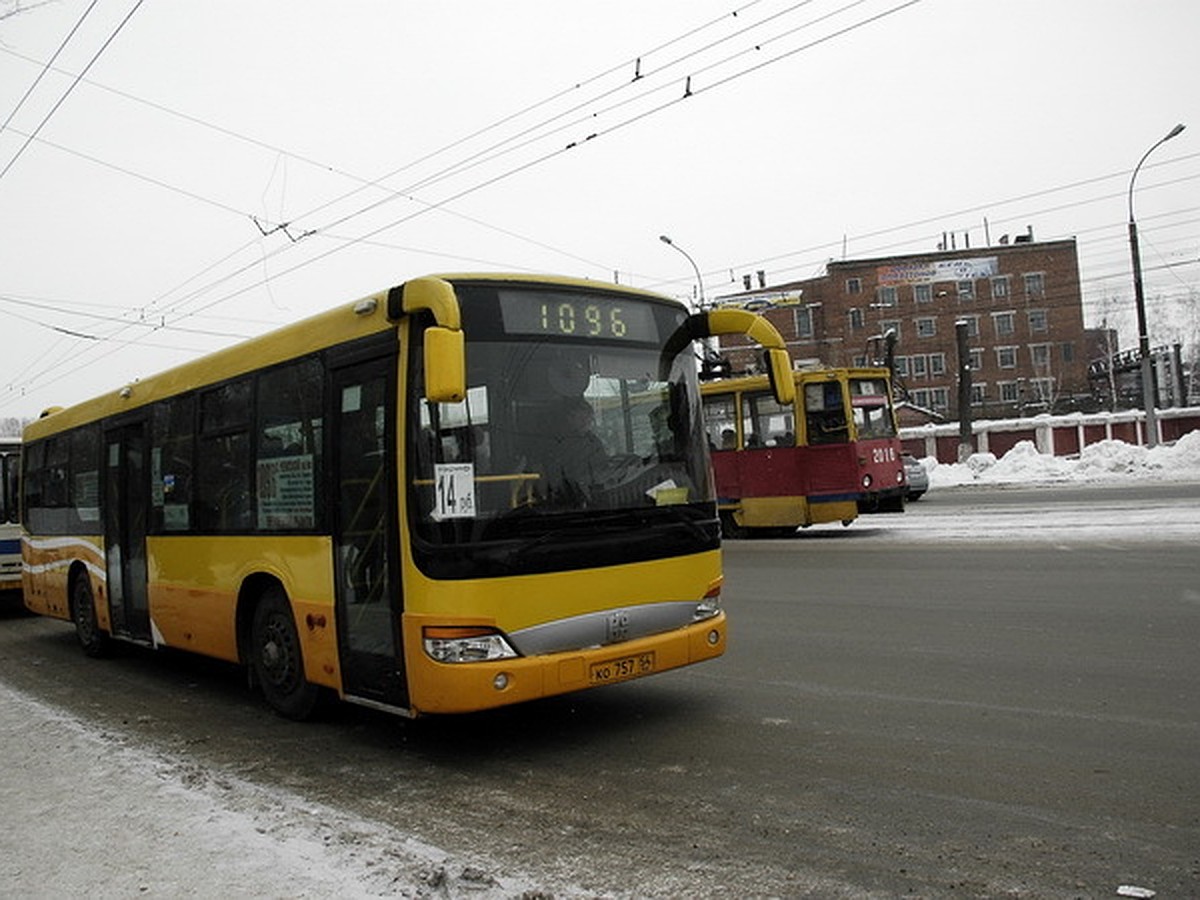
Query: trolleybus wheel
[
  {"x": 277, "y": 659},
  {"x": 94, "y": 642}
]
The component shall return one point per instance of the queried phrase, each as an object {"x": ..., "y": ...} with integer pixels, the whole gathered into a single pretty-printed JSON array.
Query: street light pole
[
  {"x": 1148, "y": 385},
  {"x": 699, "y": 280}
]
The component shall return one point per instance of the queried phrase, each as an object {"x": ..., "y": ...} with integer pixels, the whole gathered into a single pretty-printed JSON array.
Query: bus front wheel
[
  {"x": 94, "y": 642},
  {"x": 277, "y": 660}
]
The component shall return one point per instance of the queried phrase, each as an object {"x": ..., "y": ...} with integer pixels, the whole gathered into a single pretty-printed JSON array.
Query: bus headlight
[
  {"x": 466, "y": 643},
  {"x": 708, "y": 607}
]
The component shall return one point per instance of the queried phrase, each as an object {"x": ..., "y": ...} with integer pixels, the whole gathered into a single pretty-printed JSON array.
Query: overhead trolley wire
[
  {"x": 543, "y": 158},
  {"x": 91, "y": 62},
  {"x": 514, "y": 170},
  {"x": 48, "y": 66}
]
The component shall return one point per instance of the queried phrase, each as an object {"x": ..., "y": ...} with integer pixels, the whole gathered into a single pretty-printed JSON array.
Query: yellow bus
[{"x": 462, "y": 492}]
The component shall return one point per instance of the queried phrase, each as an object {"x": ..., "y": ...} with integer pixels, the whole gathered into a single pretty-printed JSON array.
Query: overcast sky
[{"x": 211, "y": 174}]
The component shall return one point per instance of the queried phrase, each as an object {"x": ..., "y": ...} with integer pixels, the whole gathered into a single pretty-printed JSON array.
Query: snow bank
[{"x": 1104, "y": 462}]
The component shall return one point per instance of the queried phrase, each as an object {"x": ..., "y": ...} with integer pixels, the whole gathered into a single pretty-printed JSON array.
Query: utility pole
[{"x": 965, "y": 445}]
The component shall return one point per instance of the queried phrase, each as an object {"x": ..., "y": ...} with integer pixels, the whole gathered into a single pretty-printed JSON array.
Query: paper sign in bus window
[
  {"x": 453, "y": 491},
  {"x": 285, "y": 492}
]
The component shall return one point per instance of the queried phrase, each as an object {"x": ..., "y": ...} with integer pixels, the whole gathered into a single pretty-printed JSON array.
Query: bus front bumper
[{"x": 436, "y": 687}]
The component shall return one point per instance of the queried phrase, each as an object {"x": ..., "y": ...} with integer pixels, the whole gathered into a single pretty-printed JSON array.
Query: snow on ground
[
  {"x": 88, "y": 815},
  {"x": 1109, "y": 462},
  {"x": 1092, "y": 518}
]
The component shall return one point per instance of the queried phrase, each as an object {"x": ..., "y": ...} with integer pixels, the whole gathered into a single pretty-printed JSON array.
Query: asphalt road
[{"x": 893, "y": 717}]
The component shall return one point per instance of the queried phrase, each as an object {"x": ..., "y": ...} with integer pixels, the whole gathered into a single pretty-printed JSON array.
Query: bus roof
[
  {"x": 800, "y": 376},
  {"x": 344, "y": 322}
]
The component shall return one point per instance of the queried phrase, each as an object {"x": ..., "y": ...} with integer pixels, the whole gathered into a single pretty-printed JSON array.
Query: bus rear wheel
[
  {"x": 277, "y": 660},
  {"x": 95, "y": 643}
]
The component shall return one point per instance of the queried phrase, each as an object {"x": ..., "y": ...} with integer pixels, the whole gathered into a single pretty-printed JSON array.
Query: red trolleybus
[
  {"x": 829, "y": 455},
  {"x": 461, "y": 493}
]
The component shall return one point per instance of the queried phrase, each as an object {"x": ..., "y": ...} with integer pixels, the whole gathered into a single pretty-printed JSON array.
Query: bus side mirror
[
  {"x": 445, "y": 351},
  {"x": 754, "y": 326},
  {"x": 779, "y": 371},
  {"x": 445, "y": 365}
]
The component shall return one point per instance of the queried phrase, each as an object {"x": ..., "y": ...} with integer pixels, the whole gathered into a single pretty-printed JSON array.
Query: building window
[
  {"x": 1043, "y": 389},
  {"x": 1037, "y": 320},
  {"x": 804, "y": 323},
  {"x": 1006, "y": 357},
  {"x": 853, "y": 285},
  {"x": 926, "y": 327},
  {"x": 940, "y": 398},
  {"x": 860, "y": 362},
  {"x": 1035, "y": 284},
  {"x": 972, "y": 325},
  {"x": 921, "y": 398},
  {"x": 1067, "y": 349},
  {"x": 886, "y": 295},
  {"x": 976, "y": 359},
  {"x": 856, "y": 318},
  {"x": 923, "y": 293},
  {"x": 978, "y": 394},
  {"x": 966, "y": 290},
  {"x": 918, "y": 367},
  {"x": 1005, "y": 323},
  {"x": 1009, "y": 391},
  {"x": 937, "y": 364},
  {"x": 1039, "y": 354},
  {"x": 1000, "y": 287},
  {"x": 901, "y": 364}
]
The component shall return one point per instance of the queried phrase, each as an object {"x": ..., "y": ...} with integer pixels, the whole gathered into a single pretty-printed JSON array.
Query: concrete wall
[{"x": 1057, "y": 435}]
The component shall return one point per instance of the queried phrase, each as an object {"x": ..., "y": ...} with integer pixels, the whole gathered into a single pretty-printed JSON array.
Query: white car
[{"x": 916, "y": 476}]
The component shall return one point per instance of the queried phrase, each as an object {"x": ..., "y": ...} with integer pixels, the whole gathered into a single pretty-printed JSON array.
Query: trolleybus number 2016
[
  {"x": 623, "y": 668},
  {"x": 597, "y": 321}
]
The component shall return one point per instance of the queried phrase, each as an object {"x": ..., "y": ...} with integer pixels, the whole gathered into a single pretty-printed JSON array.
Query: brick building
[{"x": 1029, "y": 351}]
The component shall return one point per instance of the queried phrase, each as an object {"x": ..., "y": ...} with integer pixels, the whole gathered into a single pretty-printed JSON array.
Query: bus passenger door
[
  {"x": 368, "y": 584},
  {"x": 125, "y": 510}
]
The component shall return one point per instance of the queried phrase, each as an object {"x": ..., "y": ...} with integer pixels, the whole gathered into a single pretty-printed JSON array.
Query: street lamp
[
  {"x": 1140, "y": 299},
  {"x": 699, "y": 280}
]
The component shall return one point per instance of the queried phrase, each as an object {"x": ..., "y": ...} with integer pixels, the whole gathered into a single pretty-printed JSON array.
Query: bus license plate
[{"x": 623, "y": 668}]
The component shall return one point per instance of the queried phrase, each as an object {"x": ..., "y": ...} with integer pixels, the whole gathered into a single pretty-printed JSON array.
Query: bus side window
[
  {"x": 765, "y": 422},
  {"x": 224, "y": 459},
  {"x": 288, "y": 493},
  {"x": 720, "y": 422},
  {"x": 825, "y": 413},
  {"x": 85, "y": 478},
  {"x": 171, "y": 464}
]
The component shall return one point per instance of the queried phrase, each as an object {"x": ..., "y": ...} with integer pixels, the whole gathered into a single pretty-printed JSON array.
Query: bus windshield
[
  {"x": 573, "y": 431},
  {"x": 872, "y": 408}
]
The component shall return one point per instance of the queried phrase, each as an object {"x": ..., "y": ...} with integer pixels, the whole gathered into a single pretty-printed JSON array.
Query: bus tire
[
  {"x": 94, "y": 642},
  {"x": 277, "y": 660}
]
